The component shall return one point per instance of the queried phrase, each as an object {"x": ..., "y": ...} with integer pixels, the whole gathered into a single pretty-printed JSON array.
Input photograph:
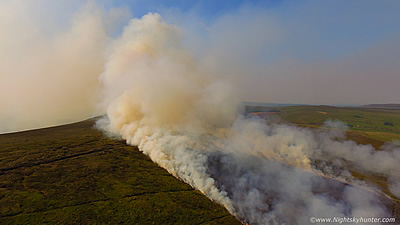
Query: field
[
  {"x": 366, "y": 125},
  {"x": 72, "y": 174}
]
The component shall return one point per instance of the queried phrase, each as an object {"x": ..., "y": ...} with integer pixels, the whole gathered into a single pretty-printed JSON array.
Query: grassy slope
[
  {"x": 366, "y": 125},
  {"x": 73, "y": 175}
]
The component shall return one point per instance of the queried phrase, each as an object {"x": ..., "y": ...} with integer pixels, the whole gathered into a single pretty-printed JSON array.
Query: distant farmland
[{"x": 366, "y": 125}]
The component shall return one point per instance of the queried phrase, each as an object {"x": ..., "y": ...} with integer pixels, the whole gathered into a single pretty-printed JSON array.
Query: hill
[
  {"x": 72, "y": 174},
  {"x": 382, "y": 106}
]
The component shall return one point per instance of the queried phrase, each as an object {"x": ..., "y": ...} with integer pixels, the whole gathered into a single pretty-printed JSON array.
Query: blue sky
[
  {"x": 314, "y": 29},
  {"x": 209, "y": 9}
]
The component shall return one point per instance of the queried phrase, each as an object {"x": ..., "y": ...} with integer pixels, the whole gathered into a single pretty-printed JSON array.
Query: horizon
[{"x": 267, "y": 104}]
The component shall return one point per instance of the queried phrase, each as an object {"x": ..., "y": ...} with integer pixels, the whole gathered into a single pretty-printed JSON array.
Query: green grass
[
  {"x": 358, "y": 119},
  {"x": 72, "y": 174},
  {"x": 366, "y": 125}
]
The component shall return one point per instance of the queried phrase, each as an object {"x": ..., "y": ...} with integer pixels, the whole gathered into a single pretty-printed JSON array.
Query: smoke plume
[
  {"x": 50, "y": 64},
  {"x": 181, "y": 114}
]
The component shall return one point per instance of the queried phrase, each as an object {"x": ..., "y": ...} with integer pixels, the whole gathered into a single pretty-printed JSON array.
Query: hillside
[
  {"x": 382, "y": 106},
  {"x": 72, "y": 174}
]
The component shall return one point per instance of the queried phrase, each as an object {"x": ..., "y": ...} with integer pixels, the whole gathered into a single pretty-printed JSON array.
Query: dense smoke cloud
[
  {"x": 176, "y": 112},
  {"x": 51, "y": 59}
]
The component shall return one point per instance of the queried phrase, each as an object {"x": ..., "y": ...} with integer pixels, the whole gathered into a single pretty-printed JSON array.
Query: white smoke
[
  {"x": 158, "y": 98},
  {"x": 51, "y": 57}
]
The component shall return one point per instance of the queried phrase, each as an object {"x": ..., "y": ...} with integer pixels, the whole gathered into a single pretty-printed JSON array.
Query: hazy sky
[
  {"x": 310, "y": 51},
  {"x": 313, "y": 52},
  {"x": 304, "y": 51}
]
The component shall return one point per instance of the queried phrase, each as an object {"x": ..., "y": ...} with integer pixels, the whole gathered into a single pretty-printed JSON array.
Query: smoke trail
[{"x": 159, "y": 99}]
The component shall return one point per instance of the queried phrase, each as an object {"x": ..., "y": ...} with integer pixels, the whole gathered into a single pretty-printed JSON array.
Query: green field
[
  {"x": 360, "y": 119},
  {"x": 72, "y": 174},
  {"x": 366, "y": 125}
]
